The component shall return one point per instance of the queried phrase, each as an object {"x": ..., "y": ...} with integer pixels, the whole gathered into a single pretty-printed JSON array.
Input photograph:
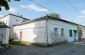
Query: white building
[
  {"x": 11, "y": 19},
  {"x": 46, "y": 30},
  {"x": 43, "y": 30},
  {"x": 4, "y": 34}
]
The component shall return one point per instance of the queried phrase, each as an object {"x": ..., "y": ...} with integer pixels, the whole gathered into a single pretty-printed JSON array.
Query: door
[
  {"x": 75, "y": 35},
  {"x": 21, "y": 36},
  {"x": 1, "y": 38}
]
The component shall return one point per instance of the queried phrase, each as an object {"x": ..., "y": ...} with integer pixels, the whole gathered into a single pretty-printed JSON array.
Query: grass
[{"x": 18, "y": 43}]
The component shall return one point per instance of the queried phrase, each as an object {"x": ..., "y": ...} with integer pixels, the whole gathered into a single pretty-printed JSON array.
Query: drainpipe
[
  {"x": 78, "y": 32},
  {"x": 47, "y": 28}
]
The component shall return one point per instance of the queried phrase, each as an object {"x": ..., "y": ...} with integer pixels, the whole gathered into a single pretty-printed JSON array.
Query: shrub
[{"x": 11, "y": 41}]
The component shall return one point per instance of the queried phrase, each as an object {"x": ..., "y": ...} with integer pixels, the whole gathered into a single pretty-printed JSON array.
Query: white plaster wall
[
  {"x": 59, "y": 24},
  {"x": 36, "y": 31},
  {"x": 5, "y": 20},
  {"x": 83, "y": 33},
  {"x": 5, "y": 37},
  {"x": 12, "y": 20},
  {"x": 82, "y": 29},
  {"x": 32, "y": 32}
]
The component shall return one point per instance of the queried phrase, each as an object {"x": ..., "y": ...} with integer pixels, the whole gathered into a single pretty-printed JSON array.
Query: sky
[{"x": 71, "y": 10}]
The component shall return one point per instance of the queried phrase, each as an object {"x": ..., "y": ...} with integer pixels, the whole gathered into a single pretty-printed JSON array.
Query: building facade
[
  {"x": 81, "y": 30},
  {"x": 11, "y": 19},
  {"x": 4, "y": 34},
  {"x": 46, "y": 30},
  {"x": 43, "y": 30}
]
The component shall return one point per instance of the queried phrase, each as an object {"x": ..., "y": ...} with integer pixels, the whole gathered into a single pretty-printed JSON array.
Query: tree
[
  {"x": 55, "y": 15},
  {"x": 4, "y": 3}
]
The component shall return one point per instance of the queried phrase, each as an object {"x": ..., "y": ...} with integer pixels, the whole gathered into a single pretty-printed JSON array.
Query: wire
[
  {"x": 57, "y": 6},
  {"x": 43, "y": 6},
  {"x": 72, "y": 6},
  {"x": 54, "y": 4}
]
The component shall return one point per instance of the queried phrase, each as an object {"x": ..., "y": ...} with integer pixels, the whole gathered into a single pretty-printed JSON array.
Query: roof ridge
[{"x": 14, "y": 15}]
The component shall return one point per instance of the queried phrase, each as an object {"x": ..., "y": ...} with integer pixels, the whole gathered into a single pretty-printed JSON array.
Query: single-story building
[
  {"x": 4, "y": 34},
  {"x": 46, "y": 30}
]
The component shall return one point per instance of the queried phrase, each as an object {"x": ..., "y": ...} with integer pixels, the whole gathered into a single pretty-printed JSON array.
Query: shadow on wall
[
  {"x": 16, "y": 38},
  {"x": 13, "y": 35},
  {"x": 39, "y": 31}
]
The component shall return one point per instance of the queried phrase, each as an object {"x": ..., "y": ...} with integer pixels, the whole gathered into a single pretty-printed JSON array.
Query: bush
[{"x": 11, "y": 41}]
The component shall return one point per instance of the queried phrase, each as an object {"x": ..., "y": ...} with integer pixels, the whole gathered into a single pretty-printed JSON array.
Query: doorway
[
  {"x": 20, "y": 35},
  {"x": 1, "y": 38},
  {"x": 75, "y": 35}
]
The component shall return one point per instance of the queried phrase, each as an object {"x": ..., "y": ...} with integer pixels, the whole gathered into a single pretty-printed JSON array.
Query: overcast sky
[{"x": 72, "y": 10}]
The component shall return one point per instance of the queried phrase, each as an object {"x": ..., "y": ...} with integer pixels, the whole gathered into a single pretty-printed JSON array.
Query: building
[
  {"x": 46, "y": 30},
  {"x": 11, "y": 19},
  {"x": 81, "y": 30},
  {"x": 4, "y": 34}
]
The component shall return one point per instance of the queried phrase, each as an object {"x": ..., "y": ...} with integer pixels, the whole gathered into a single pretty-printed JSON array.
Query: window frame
[
  {"x": 62, "y": 31},
  {"x": 70, "y": 33},
  {"x": 56, "y": 32}
]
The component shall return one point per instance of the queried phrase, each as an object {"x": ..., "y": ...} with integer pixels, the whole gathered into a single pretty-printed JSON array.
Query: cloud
[
  {"x": 1, "y": 15},
  {"x": 82, "y": 12},
  {"x": 82, "y": 15},
  {"x": 34, "y": 7},
  {"x": 12, "y": 10},
  {"x": 22, "y": 6}
]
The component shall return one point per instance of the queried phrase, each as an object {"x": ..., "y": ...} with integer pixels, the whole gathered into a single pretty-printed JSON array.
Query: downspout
[
  {"x": 78, "y": 32},
  {"x": 47, "y": 28}
]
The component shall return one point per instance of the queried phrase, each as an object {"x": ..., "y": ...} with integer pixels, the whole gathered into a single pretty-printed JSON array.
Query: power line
[
  {"x": 72, "y": 6},
  {"x": 57, "y": 6},
  {"x": 54, "y": 4},
  {"x": 43, "y": 6}
]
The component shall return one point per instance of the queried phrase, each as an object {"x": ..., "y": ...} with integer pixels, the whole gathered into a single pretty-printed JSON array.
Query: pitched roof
[
  {"x": 62, "y": 20},
  {"x": 16, "y": 16},
  {"x": 3, "y": 26},
  {"x": 47, "y": 17}
]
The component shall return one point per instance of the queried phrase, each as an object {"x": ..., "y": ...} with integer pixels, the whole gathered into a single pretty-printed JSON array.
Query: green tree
[
  {"x": 4, "y": 3},
  {"x": 55, "y": 15}
]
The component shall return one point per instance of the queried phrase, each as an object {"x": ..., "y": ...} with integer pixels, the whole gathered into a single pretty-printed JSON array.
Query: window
[
  {"x": 16, "y": 20},
  {"x": 56, "y": 31},
  {"x": 62, "y": 32},
  {"x": 75, "y": 31},
  {"x": 70, "y": 32}
]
